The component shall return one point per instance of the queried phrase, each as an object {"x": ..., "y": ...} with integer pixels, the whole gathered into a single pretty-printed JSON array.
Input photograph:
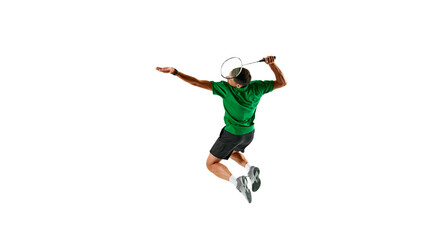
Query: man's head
[{"x": 242, "y": 80}]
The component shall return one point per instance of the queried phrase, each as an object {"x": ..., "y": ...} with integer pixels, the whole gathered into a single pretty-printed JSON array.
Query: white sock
[
  {"x": 247, "y": 167},
  {"x": 233, "y": 180}
]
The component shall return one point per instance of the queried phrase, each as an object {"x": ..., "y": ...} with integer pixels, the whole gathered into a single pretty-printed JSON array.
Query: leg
[
  {"x": 218, "y": 169},
  {"x": 239, "y": 158}
]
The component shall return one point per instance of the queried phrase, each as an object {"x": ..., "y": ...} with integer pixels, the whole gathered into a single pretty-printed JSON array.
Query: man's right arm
[{"x": 279, "y": 76}]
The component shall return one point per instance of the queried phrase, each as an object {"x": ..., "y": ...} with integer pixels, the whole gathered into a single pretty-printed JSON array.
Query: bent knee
[
  {"x": 235, "y": 153},
  {"x": 208, "y": 164},
  {"x": 211, "y": 160}
]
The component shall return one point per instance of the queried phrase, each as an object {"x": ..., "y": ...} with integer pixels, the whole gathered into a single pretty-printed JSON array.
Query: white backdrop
[{"x": 96, "y": 144}]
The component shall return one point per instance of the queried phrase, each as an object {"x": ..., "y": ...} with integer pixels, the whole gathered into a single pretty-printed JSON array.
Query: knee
[
  {"x": 208, "y": 164},
  {"x": 211, "y": 161},
  {"x": 235, "y": 153}
]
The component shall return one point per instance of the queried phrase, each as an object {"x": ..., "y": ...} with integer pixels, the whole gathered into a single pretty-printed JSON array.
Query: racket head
[{"x": 231, "y": 67}]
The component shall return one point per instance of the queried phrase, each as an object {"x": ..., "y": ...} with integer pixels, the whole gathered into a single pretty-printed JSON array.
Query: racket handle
[{"x": 264, "y": 59}]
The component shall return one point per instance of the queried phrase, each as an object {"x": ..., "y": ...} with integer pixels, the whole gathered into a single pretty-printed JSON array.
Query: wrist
[{"x": 174, "y": 72}]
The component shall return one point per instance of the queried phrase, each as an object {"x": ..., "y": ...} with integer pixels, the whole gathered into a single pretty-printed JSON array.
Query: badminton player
[{"x": 240, "y": 99}]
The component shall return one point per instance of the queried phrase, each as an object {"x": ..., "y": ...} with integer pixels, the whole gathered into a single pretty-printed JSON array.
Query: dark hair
[{"x": 243, "y": 78}]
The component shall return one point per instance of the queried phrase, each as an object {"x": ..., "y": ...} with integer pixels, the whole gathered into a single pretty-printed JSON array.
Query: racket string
[{"x": 231, "y": 68}]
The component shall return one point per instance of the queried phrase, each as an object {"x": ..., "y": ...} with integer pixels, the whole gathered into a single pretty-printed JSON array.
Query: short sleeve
[
  {"x": 219, "y": 88},
  {"x": 263, "y": 87}
]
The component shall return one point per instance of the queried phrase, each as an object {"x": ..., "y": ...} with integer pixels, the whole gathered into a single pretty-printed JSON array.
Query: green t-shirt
[{"x": 240, "y": 103}]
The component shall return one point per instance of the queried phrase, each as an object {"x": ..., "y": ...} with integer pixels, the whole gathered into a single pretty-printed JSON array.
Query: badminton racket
[{"x": 233, "y": 66}]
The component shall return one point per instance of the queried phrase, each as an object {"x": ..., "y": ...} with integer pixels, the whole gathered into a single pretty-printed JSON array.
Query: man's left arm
[{"x": 191, "y": 80}]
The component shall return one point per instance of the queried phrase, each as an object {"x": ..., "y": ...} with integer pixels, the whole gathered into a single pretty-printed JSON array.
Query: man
[{"x": 240, "y": 99}]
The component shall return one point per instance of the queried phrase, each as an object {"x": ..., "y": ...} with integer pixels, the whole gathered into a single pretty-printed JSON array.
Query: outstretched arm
[
  {"x": 280, "y": 80},
  {"x": 191, "y": 80}
]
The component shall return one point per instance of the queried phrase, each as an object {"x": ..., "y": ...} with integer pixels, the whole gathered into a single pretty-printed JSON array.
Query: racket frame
[{"x": 241, "y": 67}]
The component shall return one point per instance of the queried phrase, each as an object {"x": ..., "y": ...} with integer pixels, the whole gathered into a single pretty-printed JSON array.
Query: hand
[
  {"x": 165, "y": 69},
  {"x": 269, "y": 60}
]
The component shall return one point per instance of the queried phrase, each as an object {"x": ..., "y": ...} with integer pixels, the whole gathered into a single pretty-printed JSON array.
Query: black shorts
[{"x": 228, "y": 142}]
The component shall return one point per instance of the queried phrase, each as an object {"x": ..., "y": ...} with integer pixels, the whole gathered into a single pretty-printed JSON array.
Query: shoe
[
  {"x": 242, "y": 187},
  {"x": 253, "y": 174}
]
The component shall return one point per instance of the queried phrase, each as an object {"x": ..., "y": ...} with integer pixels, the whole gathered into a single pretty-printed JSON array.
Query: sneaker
[
  {"x": 242, "y": 187},
  {"x": 253, "y": 174}
]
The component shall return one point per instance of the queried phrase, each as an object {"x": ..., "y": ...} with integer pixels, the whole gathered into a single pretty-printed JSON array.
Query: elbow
[
  {"x": 282, "y": 83},
  {"x": 197, "y": 84}
]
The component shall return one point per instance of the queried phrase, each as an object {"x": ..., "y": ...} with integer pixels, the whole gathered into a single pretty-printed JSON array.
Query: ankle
[
  {"x": 233, "y": 180},
  {"x": 247, "y": 167}
]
